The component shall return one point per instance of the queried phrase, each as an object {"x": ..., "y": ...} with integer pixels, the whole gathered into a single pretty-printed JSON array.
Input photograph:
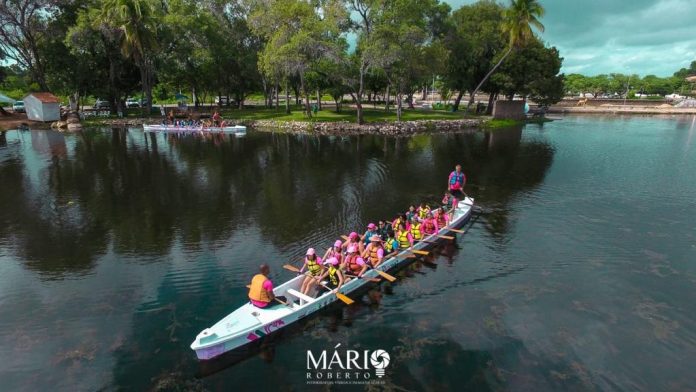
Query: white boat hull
[
  {"x": 248, "y": 323},
  {"x": 236, "y": 129}
]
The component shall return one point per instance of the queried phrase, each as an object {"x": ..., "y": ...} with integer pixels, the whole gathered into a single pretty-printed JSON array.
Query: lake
[{"x": 117, "y": 248}]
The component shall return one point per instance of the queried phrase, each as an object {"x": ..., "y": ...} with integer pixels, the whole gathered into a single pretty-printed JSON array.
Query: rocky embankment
[
  {"x": 338, "y": 127},
  {"x": 382, "y": 128}
]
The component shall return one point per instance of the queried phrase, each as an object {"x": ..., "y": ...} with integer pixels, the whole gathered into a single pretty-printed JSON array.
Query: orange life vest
[
  {"x": 374, "y": 258},
  {"x": 256, "y": 291}
]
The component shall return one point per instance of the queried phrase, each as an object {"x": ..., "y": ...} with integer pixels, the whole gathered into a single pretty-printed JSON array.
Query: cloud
[{"x": 628, "y": 36}]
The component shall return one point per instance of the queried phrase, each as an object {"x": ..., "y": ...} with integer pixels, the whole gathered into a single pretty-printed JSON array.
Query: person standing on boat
[
  {"x": 261, "y": 290},
  {"x": 456, "y": 182},
  {"x": 334, "y": 274},
  {"x": 313, "y": 264},
  {"x": 374, "y": 252}
]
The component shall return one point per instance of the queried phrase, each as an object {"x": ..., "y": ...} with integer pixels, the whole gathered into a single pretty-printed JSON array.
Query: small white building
[{"x": 42, "y": 107}]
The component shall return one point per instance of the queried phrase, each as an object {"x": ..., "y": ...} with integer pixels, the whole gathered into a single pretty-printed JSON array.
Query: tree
[
  {"x": 22, "y": 26},
  {"x": 533, "y": 71},
  {"x": 473, "y": 39},
  {"x": 518, "y": 21},
  {"x": 297, "y": 35},
  {"x": 137, "y": 21}
]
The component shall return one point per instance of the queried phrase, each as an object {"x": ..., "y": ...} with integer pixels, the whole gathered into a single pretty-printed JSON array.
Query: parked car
[
  {"x": 132, "y": 103},
  {"x": 101, "y": 104},
  {"x": 222, "y": 101},
  {"x": 18, "y": 107}
]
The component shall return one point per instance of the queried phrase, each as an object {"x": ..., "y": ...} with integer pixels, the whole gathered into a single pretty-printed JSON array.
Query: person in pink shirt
[
  {"x": 261, "y": 288},
  {"x": 429, "y": 224},
  {"x": 404, "y": 237},
  {"x": 442, "y": 218},
  {"x": 374, "y": 252},
  {"x": 335, "y": 251},
  {"x": 313, "y": 264},
  {"x": 353, "y": 239},
  {"x": 456, "y": 182}
]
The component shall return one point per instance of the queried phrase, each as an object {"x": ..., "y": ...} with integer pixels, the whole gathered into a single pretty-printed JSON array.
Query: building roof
[{"x": 45, "y": 97}]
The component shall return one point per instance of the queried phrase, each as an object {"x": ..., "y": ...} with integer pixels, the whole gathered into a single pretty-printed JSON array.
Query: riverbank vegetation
[{"x": 288, "y": 51}]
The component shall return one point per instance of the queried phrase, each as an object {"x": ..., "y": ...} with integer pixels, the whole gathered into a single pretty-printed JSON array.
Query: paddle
[
  {"x": 420, "y": 252},
  {"x": 364, "y": 277},
  {"x": 340, "y": 296},
  {"x": 455, "y": 230},
  {"x": 446, "y": 237}
]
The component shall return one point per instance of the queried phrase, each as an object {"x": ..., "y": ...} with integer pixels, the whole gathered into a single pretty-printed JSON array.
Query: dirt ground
[{"x": 15, "y": 120}]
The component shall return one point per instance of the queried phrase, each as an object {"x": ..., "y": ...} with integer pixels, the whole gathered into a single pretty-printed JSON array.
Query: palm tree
[
  {"x": 518, "y": 20},
  {"x": 137, "y": 21}
]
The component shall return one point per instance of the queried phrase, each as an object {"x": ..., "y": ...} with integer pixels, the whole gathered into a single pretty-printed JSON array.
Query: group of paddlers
[
  {"x": 355, "y": 254},
  {"x": 215, "y": 121}
]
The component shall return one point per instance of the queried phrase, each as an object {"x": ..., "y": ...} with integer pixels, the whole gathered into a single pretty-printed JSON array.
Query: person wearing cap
[
  {"x": 313, "y": 264},
  {"x": 333, "y": 273},
  {"x": 456, "y": 182},
  {"x": 429, "y": 224},
  {"x": 353, "y": 264},
  {"x": 261, "y": 288},
  {"x": 374, "y": 252},
  {"x": 371, "y": 230},
  {"x": 334, "y": 251},
  {"x": 353, "y": 238}
]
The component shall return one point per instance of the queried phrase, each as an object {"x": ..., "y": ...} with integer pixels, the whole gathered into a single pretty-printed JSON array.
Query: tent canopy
[{"x": 5, "y": 98}]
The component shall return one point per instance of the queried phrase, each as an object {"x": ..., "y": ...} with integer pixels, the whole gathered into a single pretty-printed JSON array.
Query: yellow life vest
[
  {"x": 402, "y": 237},
  {"x": 423, "y": 212},
  {"x": 416, "y": 231},
  {"x": 256, "y": 291},
  {"x": 333, "y": 277},
  {"x": 391, "y": 245},
  {"x": 312, "y": 266}
]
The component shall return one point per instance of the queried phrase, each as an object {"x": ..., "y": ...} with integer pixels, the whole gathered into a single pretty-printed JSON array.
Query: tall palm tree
[
  {"x": 138, "y": 23},
  {"x": 518, "y": 21}
]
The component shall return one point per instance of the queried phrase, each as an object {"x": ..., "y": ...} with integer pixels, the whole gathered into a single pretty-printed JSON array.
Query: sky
[{"x": 626, "y": 36}]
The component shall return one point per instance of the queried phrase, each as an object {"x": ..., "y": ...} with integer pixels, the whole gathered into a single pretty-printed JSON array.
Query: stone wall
[{"x": 513, "y": 110}]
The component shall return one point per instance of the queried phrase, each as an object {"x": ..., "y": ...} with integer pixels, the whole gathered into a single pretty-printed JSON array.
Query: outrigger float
[
  {"x": 248, "y": 323},
  {"x": 237, "y": 130}
]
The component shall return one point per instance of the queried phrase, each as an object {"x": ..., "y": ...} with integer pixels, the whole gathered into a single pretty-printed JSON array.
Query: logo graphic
[
  {"x": 380, "y": 360},
  {"x": 346, "y": 366}
]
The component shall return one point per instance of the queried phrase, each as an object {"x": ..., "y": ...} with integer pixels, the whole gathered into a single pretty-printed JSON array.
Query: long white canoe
[
  {"x": 235, "y": 129},
  {"x": 248, "y": 323}
]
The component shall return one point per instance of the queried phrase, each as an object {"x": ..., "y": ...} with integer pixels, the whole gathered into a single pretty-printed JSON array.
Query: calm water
[{"x": 117, "y": 249}]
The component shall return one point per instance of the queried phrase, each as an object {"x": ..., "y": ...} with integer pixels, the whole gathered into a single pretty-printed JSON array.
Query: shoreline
[{"x": 620, "y": 109}]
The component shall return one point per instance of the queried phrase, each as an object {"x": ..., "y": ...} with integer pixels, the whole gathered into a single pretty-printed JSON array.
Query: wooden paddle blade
[
  {"x": 291, "y": 268},
  {"x": 420, "y": 252},
  {"x": 446, "y": 237},
  {"x": 456, "y": 230},
  {"x": 410, "y": 256},
  {"x": 345, "y": 237},
  {"x": 344, "y": 298},
  {"x": 386, "y": 275},
  {"x": 248, "y": 286}
]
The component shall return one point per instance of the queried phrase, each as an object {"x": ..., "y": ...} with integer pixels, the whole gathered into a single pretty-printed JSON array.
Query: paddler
[
  {"x": 411, "y": 212},
  {"x": 334, "y": 251},
  {"x": 353, "y": 264},
  {"x": 333, "y": 273},
  {"x": 429, "y": 224},
  {"x": 374, "y": 252},
  {"x": 313, "y": 264},
  {"x": 261, "y": 290},
  {"x": 382, "y": 229},
  {"x": 423, "y": 211},
  {"x": 353, "y": 238},
  {"x": 456, "y": 182},
  {"x": 415, "y": 229},
  {"x": 404, "y": 237},
  {"x": 391, "y": 244},
  {"x": 442, "y": 218},
  {"x": 365, "y": 239}
]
